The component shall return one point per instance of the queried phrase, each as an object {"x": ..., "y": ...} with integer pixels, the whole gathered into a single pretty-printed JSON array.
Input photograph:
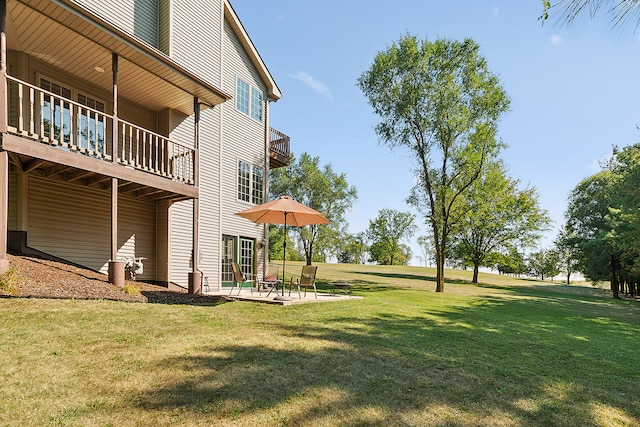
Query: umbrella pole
[
  {"x": 284, "y": 259},
  {"x": 284, "y": 250}
]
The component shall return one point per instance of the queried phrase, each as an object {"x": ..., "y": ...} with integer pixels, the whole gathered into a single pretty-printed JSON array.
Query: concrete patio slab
[{"x": 246, "y": 295}]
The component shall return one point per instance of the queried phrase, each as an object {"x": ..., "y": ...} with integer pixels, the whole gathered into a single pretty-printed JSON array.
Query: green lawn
[{"x": 508, "y": 352}]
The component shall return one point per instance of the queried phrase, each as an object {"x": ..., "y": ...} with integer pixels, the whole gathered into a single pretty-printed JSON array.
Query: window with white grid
[
  {"x": 244, "y": 178},
  {"x": 257, "y": 181},
  {"x": 242, "y": 96},
  {"x": 246, "y": 256}
]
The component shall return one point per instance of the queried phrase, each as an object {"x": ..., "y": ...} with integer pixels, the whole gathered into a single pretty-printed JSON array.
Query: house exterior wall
[
  {"x": 196, "y": 36},
  {"x": 226, "y": 136}
]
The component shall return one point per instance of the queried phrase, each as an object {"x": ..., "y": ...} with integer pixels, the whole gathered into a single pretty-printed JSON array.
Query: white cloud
[
  {"x": 314, "y": 84},
  {"x": 557, "y": 40}
]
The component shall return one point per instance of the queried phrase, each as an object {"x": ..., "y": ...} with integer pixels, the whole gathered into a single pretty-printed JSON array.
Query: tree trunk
[
  {"x": 309, "y": 254},
  {"x": 614, "y": 280},
  {"x": 440, "y": 270},
  {"x": 568, "y": 278},
  {"x": 476, "y": 267}
]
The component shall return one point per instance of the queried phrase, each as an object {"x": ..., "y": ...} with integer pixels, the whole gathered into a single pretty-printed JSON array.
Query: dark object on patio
[
  {"x": 307, "y": 279},
  {"x": 345, "y": 286}
]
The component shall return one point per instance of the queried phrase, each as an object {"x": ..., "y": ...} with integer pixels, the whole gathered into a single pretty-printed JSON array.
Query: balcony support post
[
  {"x": 4, "y": 156},
  {"x": 3, "y": 66},
  {"x": 4, "y": 209},
  {"x": 195, "y": 286},
  {"x": 114, "y": 137},
  {"x": 116, "y": 268}
]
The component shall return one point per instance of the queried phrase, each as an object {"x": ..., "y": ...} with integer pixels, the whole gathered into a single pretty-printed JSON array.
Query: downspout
[
  {"x": 195, "y": 286},
  {"x": 265, "y": 185}
]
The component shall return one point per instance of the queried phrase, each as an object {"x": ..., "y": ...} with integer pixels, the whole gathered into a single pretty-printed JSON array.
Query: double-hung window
[
  {"x": 257, "y": 179},
  {"x": 256, "y": 104},
  {"x": 250, "y": 183},
  {"x": 244, "y": 178},
  {"x": 242, "y": 96},
  {"x": 249, "y": 100}
]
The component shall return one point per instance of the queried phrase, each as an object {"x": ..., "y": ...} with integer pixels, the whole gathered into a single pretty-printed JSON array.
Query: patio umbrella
[{"x": 284, "y": 210}]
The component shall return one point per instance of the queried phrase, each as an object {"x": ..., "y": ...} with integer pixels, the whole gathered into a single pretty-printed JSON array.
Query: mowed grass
[{"x": 506, "y": 352}]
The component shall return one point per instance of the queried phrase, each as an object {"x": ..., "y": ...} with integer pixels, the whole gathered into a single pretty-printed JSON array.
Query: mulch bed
[{"x": 40, "y": 278}]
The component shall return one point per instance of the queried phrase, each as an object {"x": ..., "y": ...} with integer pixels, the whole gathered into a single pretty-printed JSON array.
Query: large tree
[
  {"x": 587, "y": 220},
  {"x": 498, "y": 215},
  {"x": 439, "y": 100},
  {"x": 603, "y": 222},
  {"x": 320, "y": 188},
  {"x": 385, "y": 235},
  {"x": 624, "y": 215}
]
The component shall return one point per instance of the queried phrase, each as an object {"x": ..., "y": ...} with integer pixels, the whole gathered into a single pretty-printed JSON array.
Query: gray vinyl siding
[
  {"x": 73, "y": 222},
  {"x": 181, "y": 213},
  {"x": 210, "y": 235},
  {"x": 195, "y": 36},
  {"x": 164, "y": 26},
  {"x": 195, "y": 42},
  {"x": 138, "y": 18},
  {"x": 243, "y": 138},
  {"x": 181, "y": 242}
]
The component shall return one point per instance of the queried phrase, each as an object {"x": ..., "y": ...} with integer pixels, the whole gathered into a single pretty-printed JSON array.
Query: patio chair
[
  {"x": 306, "y": 279},
  {"x": 271, "y": 278},
  {"x": 240, "y": 278}
]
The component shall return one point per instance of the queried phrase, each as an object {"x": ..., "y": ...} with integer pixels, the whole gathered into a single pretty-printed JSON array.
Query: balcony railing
[
  {"x": 279, "y": 149},
  {"x": 52, "y": 119}
]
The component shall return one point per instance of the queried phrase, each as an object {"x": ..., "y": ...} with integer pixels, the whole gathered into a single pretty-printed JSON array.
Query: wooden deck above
[
  {"x": 56, "y": 137},
  {"x": 278, "y": 150}
]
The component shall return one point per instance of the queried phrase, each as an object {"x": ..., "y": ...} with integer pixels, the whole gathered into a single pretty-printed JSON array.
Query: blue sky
[{"x": 575, "y": 91}]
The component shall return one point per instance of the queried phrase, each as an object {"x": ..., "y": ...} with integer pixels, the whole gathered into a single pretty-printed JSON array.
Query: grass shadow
[
  {"x": 477, "y": 364},
  {"x": 415, "y": 277},
  {"x": 176, "y": 298}
]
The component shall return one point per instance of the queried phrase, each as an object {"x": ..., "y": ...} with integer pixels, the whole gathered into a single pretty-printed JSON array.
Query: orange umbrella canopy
[{"x": 284, "y": 210}]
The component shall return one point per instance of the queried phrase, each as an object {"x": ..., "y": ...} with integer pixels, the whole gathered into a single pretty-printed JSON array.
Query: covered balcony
[
  {"x": 112, "y": 120},
  {"x": 65, "y": 128}
]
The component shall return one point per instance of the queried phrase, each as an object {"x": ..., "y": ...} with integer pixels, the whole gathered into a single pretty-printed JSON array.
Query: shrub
[
  {"x": 10, "y": 280},
  {"x": 130, "y": 289}
]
